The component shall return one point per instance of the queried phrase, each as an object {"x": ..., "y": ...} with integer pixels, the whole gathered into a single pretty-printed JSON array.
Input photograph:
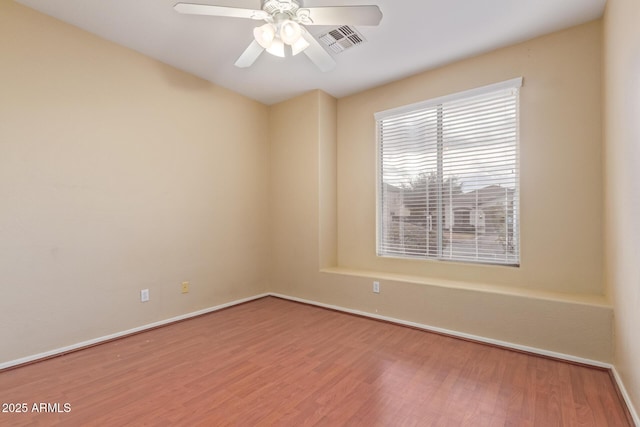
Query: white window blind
[{"x": 449, "y": 177}]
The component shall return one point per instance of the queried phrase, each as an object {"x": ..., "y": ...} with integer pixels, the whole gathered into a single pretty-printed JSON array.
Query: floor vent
[{"x": 342, "y": 38}]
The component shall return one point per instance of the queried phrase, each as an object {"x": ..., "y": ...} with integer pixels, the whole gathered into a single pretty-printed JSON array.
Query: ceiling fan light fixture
[
  {"x": 265, "y": 35},
  {"x": 290, "y": 32},
  {"x": 276, "y": 48},
  {"x": 299, "y": 46},
  {"x": 284, "y": 27}
]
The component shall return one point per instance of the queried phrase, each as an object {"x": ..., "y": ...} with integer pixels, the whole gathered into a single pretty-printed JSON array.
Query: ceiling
[{"x": 414, "y": 35}]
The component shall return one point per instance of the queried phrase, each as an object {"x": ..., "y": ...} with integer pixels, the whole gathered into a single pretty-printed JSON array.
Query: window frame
[{"x": 515, "y": 84}]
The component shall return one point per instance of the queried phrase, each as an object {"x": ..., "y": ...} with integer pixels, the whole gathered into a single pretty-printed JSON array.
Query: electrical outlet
[
  {"x": 144, "y": 295},
  {"x": 185, "y": 287},
  {"x": 376, "y": 287}
]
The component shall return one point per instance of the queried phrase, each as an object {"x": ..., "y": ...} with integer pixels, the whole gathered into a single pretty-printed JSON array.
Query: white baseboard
[
  {"x": 105, "y": 338},
  {"x": 626, "y": 397},
  {"x": 499, "y": 343},
  {"x": 457, "y": 334},
  {"x": 533, "y": 350}
]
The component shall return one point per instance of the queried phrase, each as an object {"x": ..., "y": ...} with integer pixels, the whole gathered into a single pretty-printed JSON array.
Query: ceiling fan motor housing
[{"x": 274, "y": 7}]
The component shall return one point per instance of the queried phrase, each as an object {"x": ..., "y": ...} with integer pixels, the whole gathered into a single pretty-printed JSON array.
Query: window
[{"x": 448, "y": 177}]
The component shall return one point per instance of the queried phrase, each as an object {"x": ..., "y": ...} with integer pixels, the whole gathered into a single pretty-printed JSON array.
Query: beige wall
[
  {"x": 560, "y": 159},
  {"x": 622, "y": 167},
  {"x": 302, "y": 190},
  {"x": 293, "y": 195},
  {"x": 551, "y": 304},
  {"x": 118, "y": 173}
]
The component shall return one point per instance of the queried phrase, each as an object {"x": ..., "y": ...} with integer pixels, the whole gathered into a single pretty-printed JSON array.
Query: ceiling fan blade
[
  {"x": 317, "y": 54},
  {"x": 232, "y": 12},
  {"x": 250, "y": 55},
  {"x": 341, "y": 15}
]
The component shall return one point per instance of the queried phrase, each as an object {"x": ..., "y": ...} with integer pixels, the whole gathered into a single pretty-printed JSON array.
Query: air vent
[{"x": 342, "y": 38}]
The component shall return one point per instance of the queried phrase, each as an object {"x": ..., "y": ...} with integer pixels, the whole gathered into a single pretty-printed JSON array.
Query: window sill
[{"x": 585, "y": 299}]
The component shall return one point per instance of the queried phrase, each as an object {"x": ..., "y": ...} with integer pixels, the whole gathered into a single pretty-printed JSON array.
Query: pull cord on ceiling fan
[{"x": 285, "y": 26}]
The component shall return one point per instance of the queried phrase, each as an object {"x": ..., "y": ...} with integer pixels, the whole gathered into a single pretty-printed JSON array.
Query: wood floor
[{"x": 276, "y": 362}]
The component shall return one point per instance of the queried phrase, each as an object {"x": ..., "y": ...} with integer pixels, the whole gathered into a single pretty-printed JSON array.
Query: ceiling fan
[{"x": 285, "y": 21}]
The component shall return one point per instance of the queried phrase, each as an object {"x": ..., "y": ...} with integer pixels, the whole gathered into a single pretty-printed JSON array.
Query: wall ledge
[{"x": 583, "y": 299}]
